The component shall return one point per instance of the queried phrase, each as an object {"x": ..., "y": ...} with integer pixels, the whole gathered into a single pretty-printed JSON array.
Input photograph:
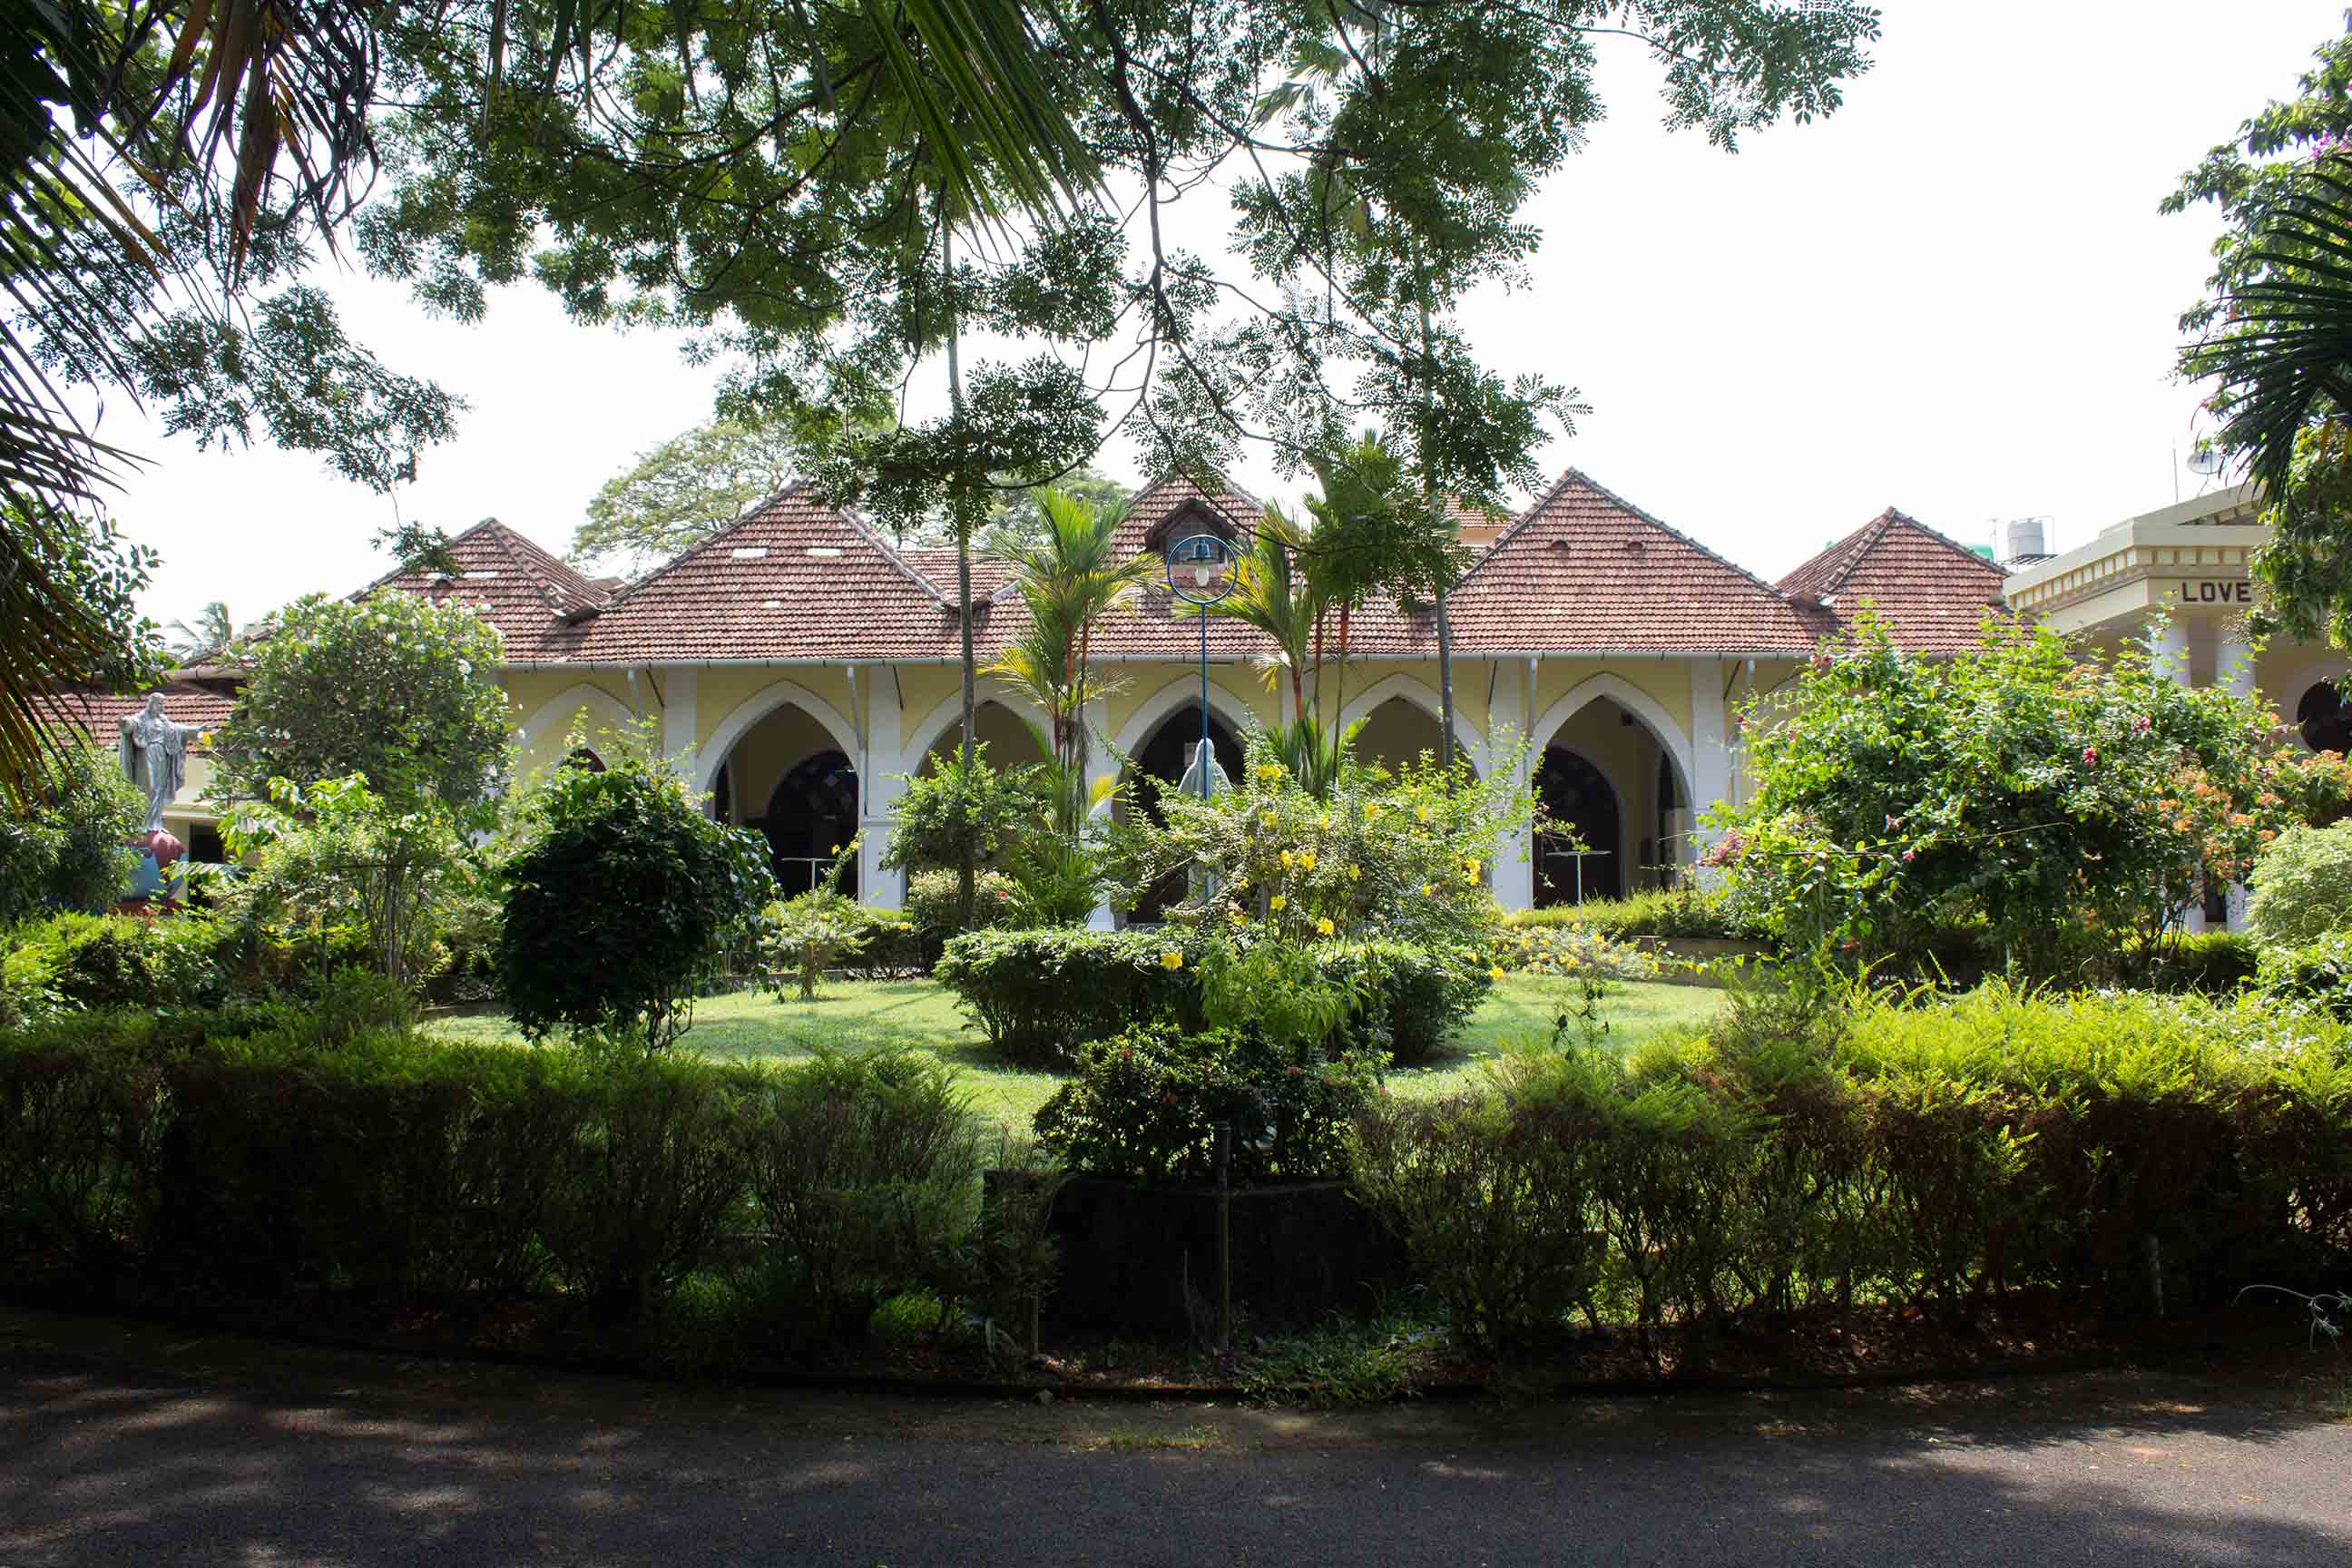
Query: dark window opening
[
  {"x": 2324, "y": 718},
  {"x": 1578, "y": 804},
  {"x": 1164, "y": 758},
  {"x": 812, "y": 816},
  {"x": 585, "y": 759}
]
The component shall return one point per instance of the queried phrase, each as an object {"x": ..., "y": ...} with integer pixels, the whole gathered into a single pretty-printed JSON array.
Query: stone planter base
[{"x": 1144, "y": 1259}]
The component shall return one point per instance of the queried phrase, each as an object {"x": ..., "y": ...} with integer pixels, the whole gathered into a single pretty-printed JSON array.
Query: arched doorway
[
  {"x": 1401, "y": 732},
  {"x": 811, "y": 815},
  {"x": 1162, "y": 757},
  {"x": 1578, "y": 804},
  {"x": 2324, "y": 718}
]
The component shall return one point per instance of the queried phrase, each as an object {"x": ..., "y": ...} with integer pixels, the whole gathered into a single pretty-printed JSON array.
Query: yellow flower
[
  {"x": 1355, "y": 874},
  {"x": 1471, "y": 866},
  {"x": 1269, "y": 771},
  {"x": 204, "y": 738},
  {"x": 1427, "y": 889},
  {"x": 1323, "y": 820},
  {"x": 1306, "y": 859},
  {"x": 1286, "y": 860},
  {"x": 1325, "y": 927},
  {"x": 1276, "y": 902},
  {"x": 1267, "y": 821},
  {"x": 1423, "y": 813},
  {"x": 1371, "y": 813},
  {"x": 1172, "y": 961},
  {"x": 1237, "y": 917},
  {"x": 1496, "y": 973},
  {"x": 903, "y": 926},
  {"x": 837, "y": 850}
]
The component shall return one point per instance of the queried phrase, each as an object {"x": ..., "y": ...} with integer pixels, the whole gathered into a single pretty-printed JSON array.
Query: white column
[
  {"x": 678, "y": 715},
  {"x": 2167, "y": 648},
  {"x": 1100, "y": 765},
  {"x": 2233, "y": 670},
  {"x": 1710, "y": 752},
  {"x": 1514, "y": 870},
  {"x": 880, "y": 783}
]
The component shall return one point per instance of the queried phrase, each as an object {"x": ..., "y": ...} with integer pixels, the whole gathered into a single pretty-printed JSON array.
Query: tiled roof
[
  {"x": 794, "y": 578},
  {"x": 529, "y": 593},
  {"x": 1583, "y": 571},
  {"x": 1935, "y": 593},
  {"x": 938, "y": 567},
  {"x": 205, "y": 704}
]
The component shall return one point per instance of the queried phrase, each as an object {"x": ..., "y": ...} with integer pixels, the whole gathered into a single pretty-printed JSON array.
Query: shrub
[
  {"x": 865, "y": 1167},
  {"x": 1684, "y": 912},
  {"x": 2210, "y": 963},
  {"x": 128, "y": 960},
  {"x": 68, "y": 850},
  {"x": 1039, "y": 995},
  {"x": 932, "y": 903},
  {"x": 622, "y": 900},
  {"x": 2318, "y": 972},
  {"x": 2303, "y": 887},
  {"x": 1570, "y": 950},
  {"x": 1146, "y": 1103}
]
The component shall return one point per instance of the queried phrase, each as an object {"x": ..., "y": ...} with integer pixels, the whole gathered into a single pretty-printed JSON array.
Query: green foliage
[
  {"x": 2317, "y": 972},
  {"x": 1039, "y": 994},
  {"x": 336, "y": 857},
  {"x": 623, "y": 897},
  {"x": 932, "y": 903},
  {"x": 1401, "y": 857},
  {"x": 68, "y": 849},
  {"x": 2303, "y": 887},
  {"x": 950, "y": 809},
  {"x": 128, "y": 961},
  {"x": 1146, "y": 1102},
  {"x": 262, "y": 1151},
  {"x": 392, "y": 687},
  {"x": 681, "y": 492},
  {"x": 2068, "y": 805},
  {"x": 867, "y": 1167},
  {"x": 1686, "y": 911},
  {"x": 2139, "y": 1151},
  {"x": 802, "y": 937}
]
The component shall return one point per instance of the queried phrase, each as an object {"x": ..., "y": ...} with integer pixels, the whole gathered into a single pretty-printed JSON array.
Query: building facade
[{"x": 801, "y": 667}]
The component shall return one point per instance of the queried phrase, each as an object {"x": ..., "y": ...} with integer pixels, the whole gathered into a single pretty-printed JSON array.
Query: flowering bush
[
  {"x": 1398, "y": 855},
  {"x": 2069, "y": 804},
  {"x": 1569, "y": 951}
]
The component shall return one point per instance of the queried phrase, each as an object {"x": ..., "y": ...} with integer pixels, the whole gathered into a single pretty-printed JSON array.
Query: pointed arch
[
  {"x": 712, "y": 755},
  {"x": 1672, "y": 737},
  {"x": 1421, "y": 695},
  {"x": 1180, "y": 694},
  {"x": 948, "y": 712},
  {"x": 558, "y": 711}
]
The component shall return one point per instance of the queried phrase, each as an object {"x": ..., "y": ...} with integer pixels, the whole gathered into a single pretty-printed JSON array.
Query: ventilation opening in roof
[
  {"x": 824, "y": 552},
  {"x": 750, "y": 552},
  {"x": 480, "y": 575}
]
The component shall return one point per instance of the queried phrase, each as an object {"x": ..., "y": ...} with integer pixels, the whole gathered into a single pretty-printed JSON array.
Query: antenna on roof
[{"x": 2205, "y": 461}]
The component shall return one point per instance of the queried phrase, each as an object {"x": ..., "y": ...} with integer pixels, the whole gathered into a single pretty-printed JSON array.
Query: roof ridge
[
  {"x": 1854, "y": 550},
  {"x": 889, "y": 552},
  {"x": 403, "y": 569},
  {"x": 1946, "y": 540},
  {"x": 1573, "y": 475}
]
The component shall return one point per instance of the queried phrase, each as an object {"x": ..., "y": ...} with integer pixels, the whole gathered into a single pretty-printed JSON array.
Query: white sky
[{"x": 1955, "y": 296}]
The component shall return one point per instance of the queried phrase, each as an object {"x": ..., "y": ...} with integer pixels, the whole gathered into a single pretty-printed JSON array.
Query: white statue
[
  {"x": 154, "y": 752},
  {"x": 1189, "y": 783}
]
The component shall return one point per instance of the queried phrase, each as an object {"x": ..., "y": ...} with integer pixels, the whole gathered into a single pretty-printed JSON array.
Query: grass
[{"x": 754, "y": 1025}]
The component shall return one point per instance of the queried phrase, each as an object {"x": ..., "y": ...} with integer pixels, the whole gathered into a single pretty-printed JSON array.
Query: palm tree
[
  {"x": 1070, "y": 579},
  {"x": 212, "y": 633}
]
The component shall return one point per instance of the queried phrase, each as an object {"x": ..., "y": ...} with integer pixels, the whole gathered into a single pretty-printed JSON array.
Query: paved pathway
[{"x": 127, "y": 1446}]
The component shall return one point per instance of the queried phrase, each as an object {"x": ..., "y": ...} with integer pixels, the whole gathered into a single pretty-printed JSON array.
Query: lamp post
[{"x": 1200, "y": 572}]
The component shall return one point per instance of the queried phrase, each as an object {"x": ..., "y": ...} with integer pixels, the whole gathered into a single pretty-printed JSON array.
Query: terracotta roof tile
[
  {"x": 1584, "y": 571},
  {"x": 794, "y": 578},
  {"x": 205, "y": 704},
  {"x": 1935, "y": 592},
  {"x": 526, "y": 592}
]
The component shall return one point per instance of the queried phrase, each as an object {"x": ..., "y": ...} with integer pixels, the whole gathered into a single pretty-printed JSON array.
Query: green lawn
[{"x": 751, "y": 1024}]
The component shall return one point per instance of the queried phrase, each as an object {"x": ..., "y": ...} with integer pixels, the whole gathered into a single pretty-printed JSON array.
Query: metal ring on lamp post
[{"x": 1200, "y": 572}]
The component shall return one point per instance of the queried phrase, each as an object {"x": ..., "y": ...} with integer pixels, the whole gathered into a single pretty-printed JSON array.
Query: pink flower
[
  {"x": 2090, "y": 756},
  {"x": 2142, "y": 723},
  {"x": 1908, "y": 855}
]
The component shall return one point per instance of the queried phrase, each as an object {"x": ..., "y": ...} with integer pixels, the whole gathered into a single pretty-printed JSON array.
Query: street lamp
[{"x": 1200, "y": 572}]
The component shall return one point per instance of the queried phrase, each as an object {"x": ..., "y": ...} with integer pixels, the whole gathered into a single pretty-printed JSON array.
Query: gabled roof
[
  {"x": 526, "y": 593},
  {"x": 793, "y": 578},
  {"x": 1585, "y": 570},
  {"x": 1935, "y": 592}
]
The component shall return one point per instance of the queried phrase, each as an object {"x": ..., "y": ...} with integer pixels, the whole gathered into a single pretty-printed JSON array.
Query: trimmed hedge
[
  {"x": 2130, "y": 1152},
  {"x": 257, "y": 1153},
  {"x": 1678, "y": 912},
  {"x": 1040, "y": 994}
]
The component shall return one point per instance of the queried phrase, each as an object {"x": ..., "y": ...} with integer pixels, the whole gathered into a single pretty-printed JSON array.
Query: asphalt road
[{"x": 127, "y": 1446}]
